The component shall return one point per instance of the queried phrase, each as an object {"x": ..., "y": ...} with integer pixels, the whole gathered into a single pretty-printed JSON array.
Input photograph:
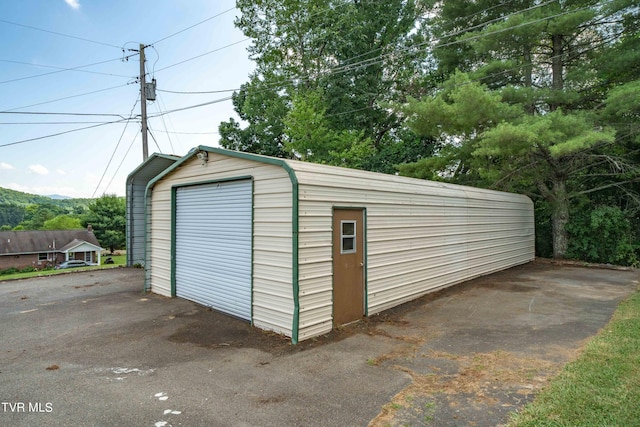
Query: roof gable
[{"x": 77, "y": 245}]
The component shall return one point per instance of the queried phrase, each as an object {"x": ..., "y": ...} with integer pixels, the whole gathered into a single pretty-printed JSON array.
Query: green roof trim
[
  {"x": 150, "y": 159},
  {"x": 294, "y": 214}
]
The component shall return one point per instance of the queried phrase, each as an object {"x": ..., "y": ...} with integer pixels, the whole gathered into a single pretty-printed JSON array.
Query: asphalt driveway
[{"x": 91, "y": 349}]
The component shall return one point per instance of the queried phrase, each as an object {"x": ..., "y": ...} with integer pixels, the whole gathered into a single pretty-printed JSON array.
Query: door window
[{"x": 347, "y": 237}]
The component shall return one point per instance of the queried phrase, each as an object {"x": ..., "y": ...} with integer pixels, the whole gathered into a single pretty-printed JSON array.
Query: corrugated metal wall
[
  {"x": 135, "y": 224},
  {"x": 136, "y": 185},
  {"x": 421, "y": 236},
  {"x": 272, "y": 239}
]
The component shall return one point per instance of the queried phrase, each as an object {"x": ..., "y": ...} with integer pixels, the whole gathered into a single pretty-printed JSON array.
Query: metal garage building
[
  {"x": 136, "y": 186},
  {"x": 299, "y": 248}
]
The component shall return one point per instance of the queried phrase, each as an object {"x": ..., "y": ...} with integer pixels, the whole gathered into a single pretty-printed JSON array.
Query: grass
[
  {"x": 601, "y": 387},
  {"x": 119, "y": 261}
]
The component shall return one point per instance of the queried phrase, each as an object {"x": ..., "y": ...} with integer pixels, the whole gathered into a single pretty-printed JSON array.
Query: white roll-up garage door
[{"x": 213, "y": 245}]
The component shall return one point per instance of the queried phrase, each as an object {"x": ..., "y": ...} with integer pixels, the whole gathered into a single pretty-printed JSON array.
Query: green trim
[
  {"x": 366, "y": 264},
  {"x": 149, "y": 159},
  {"x": 295, "y": 280},
  {"x": 294, "y": 213},
  {"x": 296, "y": 268},
  {"x": 174, "y": 191},
  {"x": 214, "y": 181},
  {"x": 129, "y": 208},
  {"x": 253, "y": 204},
  {"x": 147, "y": 254}
]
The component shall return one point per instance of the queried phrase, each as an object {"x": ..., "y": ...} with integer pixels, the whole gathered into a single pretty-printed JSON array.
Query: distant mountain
[
  {"x": 14, "y": 205},
  {"x": 18, "y": 198}
]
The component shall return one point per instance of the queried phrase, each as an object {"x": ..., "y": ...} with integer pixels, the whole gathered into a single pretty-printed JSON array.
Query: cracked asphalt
[{"x": 89, "y": 348}]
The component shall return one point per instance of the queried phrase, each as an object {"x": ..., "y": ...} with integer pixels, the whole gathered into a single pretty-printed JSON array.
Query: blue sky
[{"x": 73, "y": 164}]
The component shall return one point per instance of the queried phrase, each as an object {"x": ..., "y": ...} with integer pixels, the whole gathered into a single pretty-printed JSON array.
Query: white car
[{"x": 72, "y": 264}]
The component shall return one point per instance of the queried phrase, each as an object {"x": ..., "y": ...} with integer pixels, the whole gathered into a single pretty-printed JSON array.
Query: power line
[
  {"x": 61, "y": 133},
  {"x": 203, "y": 54},
  {"x": 48, "y": 123},
  {"x": 154, "y": 140},
  {"x": 194, "y": 25},
  {"x": 67, "y": 97},
  {"x": 115, "y": 149},
  {"x": 46, "y": 113},
  {"x": 190, "y": 133},
  {"x": 59, "y": 71},
  {"x": 62, "y": 68},
  {"x": 121, "y": 162},
  {"x": 165, "y": 125},
  {"x": 347, "y": 66},
  {"x": 405, "y": 51},
  {"x": 215, "y": 101},
  {"x": 197, "y": 92},
  {"x": 336, "y": 70},
  {"x": 59, "y": 34},
  {"x": 381, "y": 58}
]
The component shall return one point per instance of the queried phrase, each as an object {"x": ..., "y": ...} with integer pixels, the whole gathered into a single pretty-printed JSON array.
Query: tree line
[
  {"x": 106, "y": 214},
  {"x": 535, "y": 97}
]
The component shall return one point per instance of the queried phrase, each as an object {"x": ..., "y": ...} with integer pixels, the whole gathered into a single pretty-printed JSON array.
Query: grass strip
[
  {"x": 602, "y": 386},
  {"x": 118, "y": 261}
]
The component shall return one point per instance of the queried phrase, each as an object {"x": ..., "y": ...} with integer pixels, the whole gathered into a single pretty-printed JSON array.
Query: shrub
[
  {"x": 602, "y": 234},
  {"x": 10, "y": 270}
]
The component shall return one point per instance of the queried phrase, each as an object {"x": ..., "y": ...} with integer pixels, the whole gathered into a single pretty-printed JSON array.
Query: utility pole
[{"x": 143, "y": 105}]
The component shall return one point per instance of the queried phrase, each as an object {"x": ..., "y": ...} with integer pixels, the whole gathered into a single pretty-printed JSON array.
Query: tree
[
  {"x": 107, "y": 217},
  {"x": 337, "y": 63},
  {"x": 11, "y": 214},
  {"x": 36, "y": 215},
  {"x": 527, "y": 113},
  {"x": 62, "y": 222},
  {"x": 309, "y": 136}
]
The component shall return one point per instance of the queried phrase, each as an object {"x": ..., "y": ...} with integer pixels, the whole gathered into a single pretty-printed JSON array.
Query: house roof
[{"x": 34, "y": 241}]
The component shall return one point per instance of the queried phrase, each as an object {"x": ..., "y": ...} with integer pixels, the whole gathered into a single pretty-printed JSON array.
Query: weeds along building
[{"x": 299, "y": 248}]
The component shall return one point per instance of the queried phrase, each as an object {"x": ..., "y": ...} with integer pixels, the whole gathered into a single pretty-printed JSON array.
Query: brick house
[{"x": 42, "y": 248}]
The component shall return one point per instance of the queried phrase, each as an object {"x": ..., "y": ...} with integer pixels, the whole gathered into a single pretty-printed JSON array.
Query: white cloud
[
  {"x": 6, "y": 166},
  {"x": 38, "y": 169},
  {"x": 61, "y": 171},
  {"x": 75, "y": 4},
  {"x": 17, "y": 187},
  {"x": 63, "y": 190}
]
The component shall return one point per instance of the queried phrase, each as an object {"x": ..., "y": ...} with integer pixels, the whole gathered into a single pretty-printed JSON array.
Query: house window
[
  {"x": 43, "y": 256},
  {"x": 347, "y": 237}
]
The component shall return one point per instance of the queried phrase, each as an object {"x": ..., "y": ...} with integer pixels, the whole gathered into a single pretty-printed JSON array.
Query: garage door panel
[
  {"x": 213, "y": 245},
  {"x": 231, "y": 240}
]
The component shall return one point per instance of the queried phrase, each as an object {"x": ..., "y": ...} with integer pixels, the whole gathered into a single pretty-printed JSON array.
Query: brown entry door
[{"x": 348, "y": 266}]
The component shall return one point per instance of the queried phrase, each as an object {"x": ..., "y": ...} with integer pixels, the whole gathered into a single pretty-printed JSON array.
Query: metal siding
[
  {"x": 421, "y": 236},
  {"x": 136, "y": 185},
  {"x": 272, "y": 232},
  {"x": 135, "y": 236}
]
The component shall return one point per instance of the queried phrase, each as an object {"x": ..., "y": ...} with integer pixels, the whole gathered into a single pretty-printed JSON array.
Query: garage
[
  {"x": 213, "y": 246},
  {"x": 300, "y": 248},
  {"x": 136, "y": 185}
]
